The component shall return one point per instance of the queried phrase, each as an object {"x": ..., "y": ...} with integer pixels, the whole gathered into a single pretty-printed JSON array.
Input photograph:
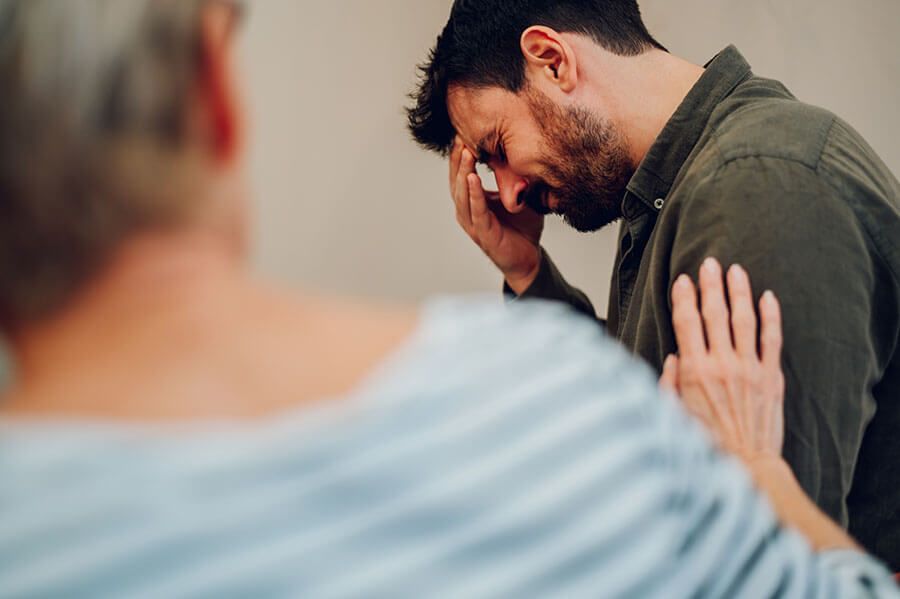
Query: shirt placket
[{"x": 637, "y": 227}]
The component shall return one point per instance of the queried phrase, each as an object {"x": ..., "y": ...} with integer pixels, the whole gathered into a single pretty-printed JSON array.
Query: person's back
[{"x": 482, "y": 459}]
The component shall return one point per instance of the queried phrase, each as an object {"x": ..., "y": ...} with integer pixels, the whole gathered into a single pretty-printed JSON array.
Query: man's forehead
[{"x": 477, "y": 112}]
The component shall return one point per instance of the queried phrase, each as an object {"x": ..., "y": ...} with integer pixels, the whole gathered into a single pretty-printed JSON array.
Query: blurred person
[
  {"x": 579, "y": 111},
  {"x": 177, "y": 428}
]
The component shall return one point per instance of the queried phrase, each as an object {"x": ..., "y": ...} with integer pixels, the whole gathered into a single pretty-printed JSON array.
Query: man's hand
[{"x": 511, "y": 241}]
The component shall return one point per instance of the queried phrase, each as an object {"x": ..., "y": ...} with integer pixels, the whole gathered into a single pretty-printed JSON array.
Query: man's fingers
[
  {"x": 714, "y": 308},
  {"x": 743, "y": 317},
  {"x": 770, "y": 333},
  {"x": 455, "y": 157},
  {"x": 686, "y": 319},
  {"x": 461, "y": 194},
  {"x": 481, "y": 216},
  {"x": 669, "y": 379}
]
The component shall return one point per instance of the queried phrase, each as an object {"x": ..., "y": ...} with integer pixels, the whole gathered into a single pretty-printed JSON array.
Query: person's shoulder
[
  {"x": 479, "y": 316},
  {"x": 482, "y": 322},
  {"x": 764, "y": 154},
  {"x": 474, "y": 338},
  {"x": 762, "y": 119}
]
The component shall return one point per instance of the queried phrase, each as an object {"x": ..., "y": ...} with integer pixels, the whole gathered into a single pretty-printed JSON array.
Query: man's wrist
[{"x": 519, "y": 283}]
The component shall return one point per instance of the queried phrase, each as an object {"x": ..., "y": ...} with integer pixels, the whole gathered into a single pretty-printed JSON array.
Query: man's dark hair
[{"x": 479, "y": 47}]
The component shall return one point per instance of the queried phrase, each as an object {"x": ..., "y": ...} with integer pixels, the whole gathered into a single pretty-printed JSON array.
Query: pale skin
[
  {"x": 174, "y": 329},
  {"x": 638, "y": 95}
]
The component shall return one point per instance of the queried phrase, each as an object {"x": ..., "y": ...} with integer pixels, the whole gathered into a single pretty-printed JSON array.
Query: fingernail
[
  {"x": 737, "y": 272},
  {"x": 681, "y": 281},
  {"x": 768, "y": 297},
  {"x": 710, "y": 264}
]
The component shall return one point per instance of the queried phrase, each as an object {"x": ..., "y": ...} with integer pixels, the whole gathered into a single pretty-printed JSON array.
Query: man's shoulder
[
  {"x": 762, "y": 119},
  {"x": 768, "y": 155}
]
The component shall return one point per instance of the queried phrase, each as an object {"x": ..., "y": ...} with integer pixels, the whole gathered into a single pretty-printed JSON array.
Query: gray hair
[{"x": 84, "y": 84}]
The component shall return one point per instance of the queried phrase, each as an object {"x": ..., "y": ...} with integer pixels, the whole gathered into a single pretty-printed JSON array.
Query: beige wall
[{"x": 347, "y": 203}]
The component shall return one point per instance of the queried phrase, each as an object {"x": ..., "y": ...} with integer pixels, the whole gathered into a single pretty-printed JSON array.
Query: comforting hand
[
  {"x": 511, "y": 241},
  {"x": 735, "y": 389}
]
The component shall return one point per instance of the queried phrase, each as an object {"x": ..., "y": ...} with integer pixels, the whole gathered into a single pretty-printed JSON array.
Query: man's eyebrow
[{"x": 488, "y": 141}]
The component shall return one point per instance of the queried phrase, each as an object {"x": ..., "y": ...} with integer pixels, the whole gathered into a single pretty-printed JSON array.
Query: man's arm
[
  {"x": 549, "y": 284},
  {"x": 797, "y": 238}
]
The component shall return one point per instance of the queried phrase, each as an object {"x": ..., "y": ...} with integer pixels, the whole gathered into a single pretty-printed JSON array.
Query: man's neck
[
  {"x": 659, "y": 85},
  {"x": 638, "y": 93}
]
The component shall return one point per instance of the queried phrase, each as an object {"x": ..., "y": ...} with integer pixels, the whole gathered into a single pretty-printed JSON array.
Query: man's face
[{"x": 571, "y": 161}]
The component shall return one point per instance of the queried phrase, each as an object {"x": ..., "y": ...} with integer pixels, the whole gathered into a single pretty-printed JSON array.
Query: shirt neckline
[{"x": 659, "y": 168}]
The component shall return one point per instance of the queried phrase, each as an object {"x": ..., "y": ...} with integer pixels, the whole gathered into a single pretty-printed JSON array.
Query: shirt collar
[{"x": 656, "y": 173}]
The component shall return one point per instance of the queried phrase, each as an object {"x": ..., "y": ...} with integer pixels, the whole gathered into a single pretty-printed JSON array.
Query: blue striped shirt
[{"x": 502, "y": 452}]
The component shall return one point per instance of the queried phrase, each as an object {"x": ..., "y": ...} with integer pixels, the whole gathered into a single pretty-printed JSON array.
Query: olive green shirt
[{"x": 746, "y": 173}]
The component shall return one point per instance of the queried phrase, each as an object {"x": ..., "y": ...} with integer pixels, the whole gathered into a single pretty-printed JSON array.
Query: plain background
[{"x": 346, "y": 203}]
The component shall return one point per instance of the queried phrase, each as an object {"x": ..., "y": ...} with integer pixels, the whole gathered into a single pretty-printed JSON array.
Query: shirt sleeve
[
  {"x": 795, "y": 236},
  {"x": 551, "y": 285}
]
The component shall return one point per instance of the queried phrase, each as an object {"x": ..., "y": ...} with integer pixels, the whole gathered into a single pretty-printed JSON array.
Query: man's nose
[{"x": 510, "y": 186}]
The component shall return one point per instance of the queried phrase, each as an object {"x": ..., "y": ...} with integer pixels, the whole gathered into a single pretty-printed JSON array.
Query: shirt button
[{"x": 659, "y": 203}]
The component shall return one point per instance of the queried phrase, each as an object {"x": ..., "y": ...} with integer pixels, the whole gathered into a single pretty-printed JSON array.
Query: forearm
[
  {"x": 794, "y": 508},
  {"x": 549, "y": 284}
]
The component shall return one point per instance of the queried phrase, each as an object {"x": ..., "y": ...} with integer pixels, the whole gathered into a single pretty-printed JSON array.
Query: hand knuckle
[
  {"x": 709, "y": 372},
  {"x": 681, "y": 318},
  {"x": 742, "y": 374},
  {"x": 754, "y": 378},
  {"x": 743, "y": 321},
  {"x": 730, "y": 370},
  {"x": 689, "y": 371},
  {"x": 771, "y": 336},
  {"x": 712, "y": 311}
]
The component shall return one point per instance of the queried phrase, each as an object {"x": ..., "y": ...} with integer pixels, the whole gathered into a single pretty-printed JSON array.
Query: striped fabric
[{"x": 503, "y": 452}]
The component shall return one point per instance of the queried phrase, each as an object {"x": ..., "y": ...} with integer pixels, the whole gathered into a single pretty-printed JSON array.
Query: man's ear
[
  {"x": 218, "y": 85},
  {"x": 549, "y": 57}
]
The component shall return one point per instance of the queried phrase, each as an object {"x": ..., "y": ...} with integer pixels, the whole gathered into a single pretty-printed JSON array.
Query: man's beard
[{"x": 586, "y": 166}]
